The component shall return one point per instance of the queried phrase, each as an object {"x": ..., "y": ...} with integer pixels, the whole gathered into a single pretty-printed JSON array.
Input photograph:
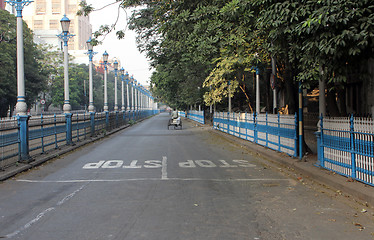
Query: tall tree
[
  {"x": 217, "y": 41},
  {"x": 35, "y": 77}
]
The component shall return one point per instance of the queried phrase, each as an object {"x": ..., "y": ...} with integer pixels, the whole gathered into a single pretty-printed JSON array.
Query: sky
[{"x": 125, "y": 49}]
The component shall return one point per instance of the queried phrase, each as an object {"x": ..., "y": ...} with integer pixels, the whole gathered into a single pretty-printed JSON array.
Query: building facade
[{"x": 43, "y": 17}]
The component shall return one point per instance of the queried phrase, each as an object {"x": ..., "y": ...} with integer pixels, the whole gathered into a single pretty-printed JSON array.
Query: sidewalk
[{"x": 359, "y": 191}]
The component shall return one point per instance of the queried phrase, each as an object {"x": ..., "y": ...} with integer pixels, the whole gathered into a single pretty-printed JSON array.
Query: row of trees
[
  {"x": 35, "y": 76},
  {"x": 198, "y": 47},
  {"x": 43, "y": 73}
]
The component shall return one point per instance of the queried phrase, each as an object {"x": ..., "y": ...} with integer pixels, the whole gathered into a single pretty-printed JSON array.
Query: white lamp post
[
  {"x": 21, "y": 106},
  {"x": 115, "y": 85},
  {"x": 105, "y": 59},
  {"x": 65, "y": 36},
  {"x": 90, "y": 53},
  {"x": 123, "y": 108},
  {"x": 127, "y": 91}
]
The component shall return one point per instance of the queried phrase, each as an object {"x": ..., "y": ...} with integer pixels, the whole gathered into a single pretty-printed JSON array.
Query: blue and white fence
[
  {"x": 197, "y": 116},
  {"x": 182, "y": 113},
  {"x": 46, "y": 133},
  {"x": 278, "y": 132},
  {"x": 346, "y": 146}
]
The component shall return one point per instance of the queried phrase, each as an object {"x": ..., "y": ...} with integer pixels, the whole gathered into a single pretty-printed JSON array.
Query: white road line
[
  {"x": 42, "y": 214},
  {"x": 27, "y": 225},
  {"x": 164, "y": 169},
  {"x": 68, "y": 197},
  {"x": 155, "y": 179}
]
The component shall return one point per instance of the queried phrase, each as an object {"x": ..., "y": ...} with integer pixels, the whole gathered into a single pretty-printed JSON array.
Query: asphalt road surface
[{"x": 150, "y": 183}]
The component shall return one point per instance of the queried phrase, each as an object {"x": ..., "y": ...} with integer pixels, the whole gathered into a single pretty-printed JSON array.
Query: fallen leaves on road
[{"x": 360, "y": 227}]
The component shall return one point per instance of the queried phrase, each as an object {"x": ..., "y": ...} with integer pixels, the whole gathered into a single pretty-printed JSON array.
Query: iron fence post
[
  {"x": 69, "y": 135},
  {"x": 116, "y": 119},
  {"x": 92, "y": 120},
  {"x": 267, "y": 141},
  {"x": 255, "y": 127},
  {"x": 107, "y": 120},
  {"x": 42, "y": 129},
  {"x": 23, "y": 123},
  {"x": 279, "y": 136},
  {"x": 77, "y": 127},
  {"x": 55, "y": 128},
  {"x": 296, "y": 125},
  {"x": 352, "y": 143},
  {"x": 318, "y": 136},
  {"x": 321, "y": 148}
]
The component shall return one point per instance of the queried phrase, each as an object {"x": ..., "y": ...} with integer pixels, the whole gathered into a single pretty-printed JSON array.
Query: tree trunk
[
  {"x": 332, "y": 104},
  {"x": 342, "y": 102}
]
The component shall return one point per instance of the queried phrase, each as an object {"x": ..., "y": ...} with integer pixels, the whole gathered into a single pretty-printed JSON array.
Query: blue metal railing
[
  {"x": 197, "y": 116},
  {"x": 278, "y": 132},
  {"x": 182, "y": 113},
  {"x": 50, "y": 132},
  {"x": 346, "y": 146}
]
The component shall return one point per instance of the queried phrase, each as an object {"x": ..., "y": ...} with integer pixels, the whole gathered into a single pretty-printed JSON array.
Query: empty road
[{"x": 150, "y": 183}]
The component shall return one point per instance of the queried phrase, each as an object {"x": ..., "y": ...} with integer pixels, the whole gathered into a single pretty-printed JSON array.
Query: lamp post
[
  {"x": 21, "y": 106},
  {"x": 65, "y": 36},
  {"x": 115, "y": 86},
  {"x": 132, "y": 96},
  {"x": 140, "y": 96},
  {"x": 137, "y": 94},
  {"x": 91, "y": 107},
  {"x": 105, "y": 59},
  {"x": 123, "y": 108},
  {"x": 90, "y": 54},
  {"x": 106, "y": 108},
  {"x": 127, "y": 91}
]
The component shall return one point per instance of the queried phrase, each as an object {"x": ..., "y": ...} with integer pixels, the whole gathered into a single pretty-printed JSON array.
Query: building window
[
  {"x": 38, "y": 24},
  {"x": 40, "y": 7},
  {"x": 56, "y": 6},
  {"x": 53, "y": 24}
]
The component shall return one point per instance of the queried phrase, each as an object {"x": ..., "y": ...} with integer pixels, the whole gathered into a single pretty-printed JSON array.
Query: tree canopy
[
  {"x": 198, "y": 47},
  {"x": 35, "y": 75}
]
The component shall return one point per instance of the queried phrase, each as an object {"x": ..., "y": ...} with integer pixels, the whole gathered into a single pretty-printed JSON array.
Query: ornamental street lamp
[
  {"x": 115, "y": 86},
  {"x": 135, "y": 95},
  {"x": 65, "y": 36},
  {"x": 123, "y": 108},
  {"x": 90, "y": 54},
  {"x": 127, "y": 91},
  {"x": 132, "y": 93},
  {"x": 21, "y": 106},
  {"x": 105, "y": 59}
]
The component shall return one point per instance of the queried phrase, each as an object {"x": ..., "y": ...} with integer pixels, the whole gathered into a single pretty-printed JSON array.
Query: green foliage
[
  {"x": 78, "y": 86},
  {"x": 197, "y": 47},
  {"x": 51, "y": 58},
  {"x": 35, "y": 75}
]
